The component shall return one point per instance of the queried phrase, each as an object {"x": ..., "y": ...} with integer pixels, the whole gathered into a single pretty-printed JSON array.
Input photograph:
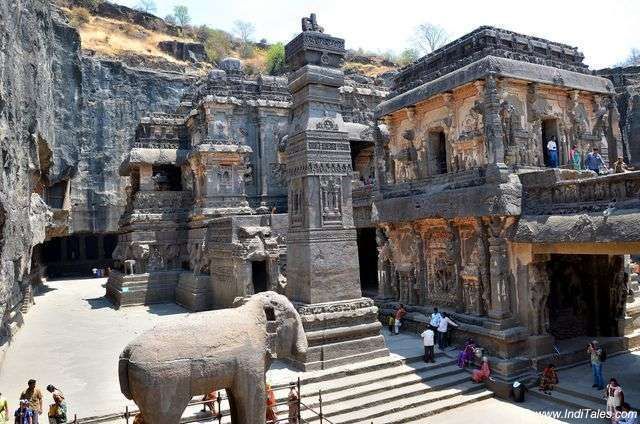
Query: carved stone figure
[
  {"x": 165, "y": 367},
  {"x": 538, "y": 294},
  {"x": 311, "y": 24}
]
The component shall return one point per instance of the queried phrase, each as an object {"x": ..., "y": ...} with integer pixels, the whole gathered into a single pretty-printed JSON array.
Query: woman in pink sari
[{"x": 483, "y": 373}]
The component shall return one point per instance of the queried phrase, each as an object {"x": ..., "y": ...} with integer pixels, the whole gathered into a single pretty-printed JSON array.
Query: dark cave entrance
[
  {"x": 584, "y": 298},
  {"x": 259, "y": 276},
  {"x": 368, "y": 261},
  {"x": 78, "y": 254}
]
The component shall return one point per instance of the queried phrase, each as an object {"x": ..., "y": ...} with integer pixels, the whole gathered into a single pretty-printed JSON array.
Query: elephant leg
[
  {"x": 162, "y": 405},
  {"x": 249, "y": 397}
]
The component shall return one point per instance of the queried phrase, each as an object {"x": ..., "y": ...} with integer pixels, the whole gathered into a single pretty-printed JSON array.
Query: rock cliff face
[
  {"x": 626, "y": 81},
  {"x": 65, "y": 119},
  {"x": 115, "y": 97}
]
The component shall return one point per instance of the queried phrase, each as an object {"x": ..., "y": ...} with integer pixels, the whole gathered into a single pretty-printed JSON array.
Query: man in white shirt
[
  {"x": 552, "y": 150},
  {"x": 435, "y": 321},
  {"x": 427, "y": 341},
  {"x": 442, "y": 330}
]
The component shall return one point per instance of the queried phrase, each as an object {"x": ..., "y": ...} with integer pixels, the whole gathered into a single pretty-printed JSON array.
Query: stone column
[
  {"x": 499, "y": 269},
  {"x": 263, "y": 166},
  {"x": 540, "y": 342},
  {"x": 322, "y": 254},
  {"x": 494, "y": 136}
]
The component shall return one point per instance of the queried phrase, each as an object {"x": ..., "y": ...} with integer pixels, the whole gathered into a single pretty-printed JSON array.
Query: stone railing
[
  {"x": 590, "y": 194},
  {"x": 435, "y": 183},
  {"x": 158, "y": 143},
  {"x": 162, "y": 202}
]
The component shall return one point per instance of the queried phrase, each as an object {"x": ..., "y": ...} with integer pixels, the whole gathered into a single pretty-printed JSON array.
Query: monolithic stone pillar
[
  {"x": 322, "y": 254},
  {"x": 322, "y": 259}
]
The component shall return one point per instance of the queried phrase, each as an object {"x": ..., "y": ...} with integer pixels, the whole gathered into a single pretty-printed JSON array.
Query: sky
[{"x": 604, "y": 30}]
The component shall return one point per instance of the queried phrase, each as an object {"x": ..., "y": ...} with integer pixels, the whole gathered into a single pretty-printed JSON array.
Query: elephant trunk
[
  {"x": 123, "y": 372},
  {"x": 301, "y": 337}
]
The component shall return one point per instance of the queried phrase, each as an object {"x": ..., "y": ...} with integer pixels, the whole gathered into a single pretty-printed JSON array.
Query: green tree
[
  {"x": 147, "y": 6},
  {"x": 217, "y": 44},
  {"x": 407, "y": 56},
  {"x": 275, "y": 59},
  {"x": 182, "y": 15}
]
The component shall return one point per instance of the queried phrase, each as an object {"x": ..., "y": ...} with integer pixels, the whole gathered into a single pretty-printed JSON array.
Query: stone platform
[
  {"x": 142, "y": 289},
  {"x": 339, "y": 333}
]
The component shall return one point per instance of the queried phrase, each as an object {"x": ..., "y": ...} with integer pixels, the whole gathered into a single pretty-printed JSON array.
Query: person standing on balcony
[
  {"x": 552, "y": 150},
  {"x": 575, "y": 158},
  {"x": 594, "y": 162}
]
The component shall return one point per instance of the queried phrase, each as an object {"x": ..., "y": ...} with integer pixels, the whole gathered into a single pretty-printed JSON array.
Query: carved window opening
[
  {"x": 259, "y": 276},
  {"x": 439, "y": 151},
  {"x": 167, "y": 178},
  {"x": 550, "y": 130},
  {"x": 55, "y": 195},
  {"x": 110, "y": 242}
]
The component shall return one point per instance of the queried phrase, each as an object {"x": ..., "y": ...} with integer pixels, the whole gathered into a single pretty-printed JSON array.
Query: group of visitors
[
  {"x": 31, "y": 406},
  {"x": 436, "y": 332},
  {"x": 592, "y": 161}
]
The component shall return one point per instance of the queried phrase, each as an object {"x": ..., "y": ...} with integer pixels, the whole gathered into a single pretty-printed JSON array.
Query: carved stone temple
[
  {"x": 439, "y": 193},
  {"x": 470, "y": 217}
]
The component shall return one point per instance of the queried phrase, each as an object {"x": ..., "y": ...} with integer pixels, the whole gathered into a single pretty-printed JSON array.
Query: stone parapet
[{"x": 141, "y": 289}]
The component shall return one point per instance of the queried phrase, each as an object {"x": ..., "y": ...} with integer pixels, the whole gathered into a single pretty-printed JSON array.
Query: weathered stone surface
[{"x": 165, "y": 367}]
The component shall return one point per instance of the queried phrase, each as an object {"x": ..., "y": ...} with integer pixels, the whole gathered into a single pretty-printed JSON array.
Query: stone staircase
[
  {"x": 386, "y": 391},
  {"x": 572, "y": 398}
]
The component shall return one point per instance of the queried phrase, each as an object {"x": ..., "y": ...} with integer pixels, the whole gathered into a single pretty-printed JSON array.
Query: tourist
[
  {"x": 210, "y": 402},
  {"x": 443, "y": 328},
  {"x": 400, "y": 313},
  {"x": 594, "y": 162},
  {"x": 575, "y": 158},
  {"x": 4, "y": 410},
  {"x": 619, "y": 167},
  {"x": 24, "y": 414},
  {"x": 467, "y": 353},
  {"x": 58, "y": 410},
  {"x": 271, "y": 405},
  {"x": 615, "y": 398},
  {"x": 293, "y": 402},
  {"x": 434, "y": 323},
  {"x": 34, "y": 396},
  {"x": 428, "y": 342},
  {"x": 552, "y": 150},
  {"x": 548, "y": 379},
  {"x": 391, "y": 323},
  {"x": 595, "y": 351},
  {"x": 483, "y": 373}
]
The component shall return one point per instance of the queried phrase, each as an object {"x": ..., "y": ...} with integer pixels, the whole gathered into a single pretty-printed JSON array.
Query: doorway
[
  {"x": 439, "y": 149},
  {"x": 368, "y": 261},
  {"x": 550, "y": 129},
  {"x": 584, "y": 299},
  {"x": 259, "y": 276}
]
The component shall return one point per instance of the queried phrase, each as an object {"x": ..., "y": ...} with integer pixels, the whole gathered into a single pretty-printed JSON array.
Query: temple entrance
[
  {"x": 76, "y": 255},
  {"x": 550, "y": 129},
  {"x": 585, "y": 295},
  {"x": 259, "y": 276},
  {"x": 368, "y": 261},
  {"x": 439, "y": 149}
]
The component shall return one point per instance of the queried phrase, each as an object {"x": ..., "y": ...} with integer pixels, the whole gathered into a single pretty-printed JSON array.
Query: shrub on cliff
[
  {"x": 217, "y": 44},
  {"x": 79, "y": 16},
  {"x": 275, "y": 59}
]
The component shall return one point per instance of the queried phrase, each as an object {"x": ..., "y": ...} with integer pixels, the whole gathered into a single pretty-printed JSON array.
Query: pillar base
[
  {"x": 340, "y": 333},
  {"x": 193, "y": 292}
]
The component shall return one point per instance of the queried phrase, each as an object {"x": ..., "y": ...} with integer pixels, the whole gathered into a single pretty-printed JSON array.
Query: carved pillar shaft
[
  {"x": 500, "y": 303},
  {"x": 493, "y": 131}
]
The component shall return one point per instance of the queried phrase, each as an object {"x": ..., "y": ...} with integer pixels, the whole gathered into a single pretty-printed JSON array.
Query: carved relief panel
[
  {"x": 331, "y": 199},
  {"x": 442, "y": 274}
]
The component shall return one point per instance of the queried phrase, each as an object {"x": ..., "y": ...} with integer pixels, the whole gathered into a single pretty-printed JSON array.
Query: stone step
[
  {"x": 388, "y": 377},
  {"x": 411, "y": 409},
  {"x": 570, "y": 399},
  {"x": 367, "y": 398},
  {"x": 595, "y": 396}
]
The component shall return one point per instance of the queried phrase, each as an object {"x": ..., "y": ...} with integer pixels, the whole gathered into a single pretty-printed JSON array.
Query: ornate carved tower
[{"x": 322, "y": 254}]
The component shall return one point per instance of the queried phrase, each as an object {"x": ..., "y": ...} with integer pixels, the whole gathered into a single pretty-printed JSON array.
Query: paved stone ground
[{"x": 72, "y": 338}]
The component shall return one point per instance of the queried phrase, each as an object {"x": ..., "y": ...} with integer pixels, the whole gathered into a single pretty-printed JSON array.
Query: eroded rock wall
[{"x": 39, "y": 100}]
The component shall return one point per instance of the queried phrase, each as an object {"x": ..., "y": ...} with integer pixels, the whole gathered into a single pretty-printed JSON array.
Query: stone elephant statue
[{"x": 231, "y": 349}]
